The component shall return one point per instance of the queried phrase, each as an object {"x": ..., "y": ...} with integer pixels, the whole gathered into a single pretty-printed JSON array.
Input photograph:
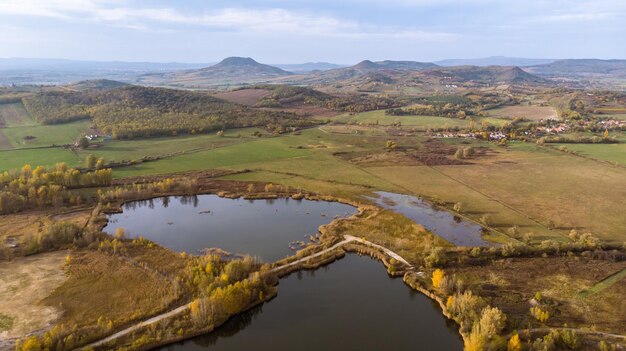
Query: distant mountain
[
  {"x": 406, "y": 65},
  {"x": 581, "y": 67},
  {"x": 495, "y": 61},
  {"x": 308, "y": 67},
  {"x": 486, "y": 75},
  {"x": 230, "y": 71}
]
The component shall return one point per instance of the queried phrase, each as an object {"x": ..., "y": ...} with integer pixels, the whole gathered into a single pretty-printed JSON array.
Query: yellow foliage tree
[
  {"x": 515, "y": 344},
  {"x": 437, "y": 278},
  {"x": 450, "y": 302}
]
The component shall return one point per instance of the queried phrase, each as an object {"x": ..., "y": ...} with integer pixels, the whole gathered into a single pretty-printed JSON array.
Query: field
[
  {"x": 420, "y": 122},
  {"x": 557, "y": 279},
  {"x": 14, "y": 115},
  {"x": 615, "y": 153},
  {"x": 15, "y": 159},
  {"x": 533, "y": 113},
  {"x": 46, "y": 135},
  {"x": 24, "y": 282}
]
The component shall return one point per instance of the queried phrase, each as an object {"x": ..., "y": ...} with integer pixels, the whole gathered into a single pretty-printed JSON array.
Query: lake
[
  {"x": 262, "y": 228},
  {"x": 351, "y": 304}
]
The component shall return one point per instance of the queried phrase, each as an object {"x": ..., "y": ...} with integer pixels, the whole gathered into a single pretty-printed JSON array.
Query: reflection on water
[
  {"x": 351, "y": 304},
  {"x": 456, "y": 230},
  {"x": 262, "y": 228}
]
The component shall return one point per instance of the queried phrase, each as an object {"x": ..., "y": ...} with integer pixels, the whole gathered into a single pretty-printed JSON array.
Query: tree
[
  {"x": 492, "y": 321},
  {"x": 31, "y": 343},
  {"x": 390, "y": 144},
  {"x": 515, "y": 344},
  {"x": 100, "y": 163},
  {"x": 83, "y": 143},
  {"x": 120, "y": 233},
  {"x": 437, "y": 278},
  {"x": 90, "y": 161},
  {"x": 458, "y": 154}
]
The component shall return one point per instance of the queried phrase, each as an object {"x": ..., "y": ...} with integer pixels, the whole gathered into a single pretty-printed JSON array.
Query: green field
[
  {"x": 118, "y": 150},
  {"x": 15, "y": 159},
  {"x": 522, "y": 184},
  {"x": 615, "y": 153},
  {"x": 45, "y": 135}
]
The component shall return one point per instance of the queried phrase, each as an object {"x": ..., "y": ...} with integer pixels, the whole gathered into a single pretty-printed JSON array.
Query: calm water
[
  {"x": 262, "y": 228},
  {"x": 351, "y": 304},
  {"x": 458, "y": 231}
]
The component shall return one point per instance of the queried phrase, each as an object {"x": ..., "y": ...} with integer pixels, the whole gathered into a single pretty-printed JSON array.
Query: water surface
[
  {"x": 262, "y": 228},
  {"x": 351, "y": 304},
  {"x": 454, "y": 229}
]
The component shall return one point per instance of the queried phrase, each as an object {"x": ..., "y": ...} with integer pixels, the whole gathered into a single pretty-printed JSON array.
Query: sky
[{"x": 295, "y": 31}]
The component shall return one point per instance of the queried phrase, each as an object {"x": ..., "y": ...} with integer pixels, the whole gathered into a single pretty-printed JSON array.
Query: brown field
[
  {"x": 119, "y": 289},
  {"x": 559, "y": 279},
  {"x": 244, "y": 96},
  {"x": 24, "y": 282},
  {"x": 533, "y": 113},
  {"x": 14, "y": 227}
]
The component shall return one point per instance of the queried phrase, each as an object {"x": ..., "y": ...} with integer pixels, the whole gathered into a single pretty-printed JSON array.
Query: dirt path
[{"x": 183, "y": 308}]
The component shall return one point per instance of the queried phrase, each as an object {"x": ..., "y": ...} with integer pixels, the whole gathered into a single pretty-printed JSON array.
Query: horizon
[
  {"x": 305, "y": 31},
  {"x": 310, "y": 61}
]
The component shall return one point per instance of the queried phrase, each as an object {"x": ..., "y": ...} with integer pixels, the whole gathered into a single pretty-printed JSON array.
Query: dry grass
[
  {"x": 389, "y": 229},
  {"x": 559, "y": 279},
  {"x": 528, "y": 188},
  {"x": 24, "y": 282},
  {"x": 102, "y": 285},
  {"x": 533, "y": 113}
]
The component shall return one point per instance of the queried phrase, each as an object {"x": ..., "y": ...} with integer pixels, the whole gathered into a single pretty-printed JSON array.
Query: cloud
[{"x": 263, "y": 21}]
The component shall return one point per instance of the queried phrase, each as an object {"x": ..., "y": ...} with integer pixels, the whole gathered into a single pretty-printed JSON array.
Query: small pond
[
  {"x": 456, "y": 230},
  {"x": 262, "y": 228},
  {"x": 351, "y": 304}
]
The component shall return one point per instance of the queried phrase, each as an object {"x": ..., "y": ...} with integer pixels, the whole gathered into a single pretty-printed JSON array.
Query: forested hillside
[{"x": 133, "y": 111}]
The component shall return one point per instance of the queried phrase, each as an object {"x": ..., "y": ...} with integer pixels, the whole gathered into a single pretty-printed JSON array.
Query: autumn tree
[
  {"x": 437, "y": 278},
  {"x": 90, "y": 161},
  {"x": 514, "y": 344}
]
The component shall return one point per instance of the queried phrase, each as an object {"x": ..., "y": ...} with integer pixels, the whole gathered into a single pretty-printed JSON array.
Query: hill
[
  {"x": 495, "y": 61},
  {"x": 406, "y": 65},
  {"x": 230, "y": 71},
  {"x": 96, "y": 84},
  {"x": 308, "y": 67},
  {"x": 486, "y": 75},
  {"x": 581, "y": 67},
  {"x": 132, "y": 111}
]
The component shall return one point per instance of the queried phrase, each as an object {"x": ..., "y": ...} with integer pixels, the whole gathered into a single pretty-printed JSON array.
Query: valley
[{"x": 228, "y": 207}]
